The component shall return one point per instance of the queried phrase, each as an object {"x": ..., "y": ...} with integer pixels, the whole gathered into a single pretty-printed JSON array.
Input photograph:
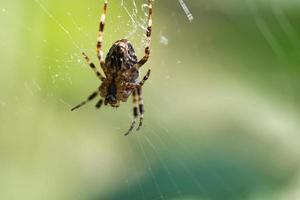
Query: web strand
[{"x": 48, "y": 13}]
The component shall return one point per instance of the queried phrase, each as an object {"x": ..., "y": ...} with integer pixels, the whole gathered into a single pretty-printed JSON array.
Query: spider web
[{"x": 199, "y": 133}]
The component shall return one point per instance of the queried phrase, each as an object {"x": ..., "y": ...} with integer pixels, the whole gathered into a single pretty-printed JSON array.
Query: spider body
[{"x": 121, "y": 70}]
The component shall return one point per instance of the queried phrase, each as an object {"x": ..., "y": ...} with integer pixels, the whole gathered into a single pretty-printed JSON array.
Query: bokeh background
[{"x": 222, "y": 104}]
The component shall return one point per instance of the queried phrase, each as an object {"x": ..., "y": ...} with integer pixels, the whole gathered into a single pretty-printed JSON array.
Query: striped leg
[
  {"x": 99, "y": 104},
  {"x": 92, "y": 65},
  {"x": 100, "y": 37},
  {"x": 145, "y": 77},
  {"x": 141, "y": 107},
  {"x": 131, "y": 86},
  {"x": 91, "y": 97},
  {"x": 138, "y": 85},
  {"x": 148, "y": 37},
  {"x": 135, "y": 111}
]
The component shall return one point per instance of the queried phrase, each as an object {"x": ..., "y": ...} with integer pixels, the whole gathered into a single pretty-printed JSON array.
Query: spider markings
[{"x": 121, "y": 69}]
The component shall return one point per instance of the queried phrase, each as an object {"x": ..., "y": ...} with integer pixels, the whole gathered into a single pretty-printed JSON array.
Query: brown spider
[{"x": 121, "y": 69}]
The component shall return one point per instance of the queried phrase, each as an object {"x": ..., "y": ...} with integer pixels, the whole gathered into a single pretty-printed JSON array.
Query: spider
[{"x": 121, "y": 70}]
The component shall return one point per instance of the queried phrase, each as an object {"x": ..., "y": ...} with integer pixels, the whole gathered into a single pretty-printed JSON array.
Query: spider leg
[
  {"x": 141, "y": 107},
  {"x": 139, "y": 84},
  {"x": 91, "y": 97},
  {"x": 99, "y": 104},
  {"x": 131, "y": 86},
  {"x": 145, "y": 78},
  {"x": 100, "y": 37},
  {"x": 135, "y": 111},
  {"x": 148, "y": 37},
  {"x": 93, "y": 67}
]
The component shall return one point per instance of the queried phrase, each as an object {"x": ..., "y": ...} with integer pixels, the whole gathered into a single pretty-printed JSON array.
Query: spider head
[{"x": 111, "y": 100}]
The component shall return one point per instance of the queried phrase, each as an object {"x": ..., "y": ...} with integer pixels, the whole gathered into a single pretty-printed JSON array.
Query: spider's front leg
[
  {"x": 145, "y": 78},
  {"x": 139, "y": 84},
  {"x": 100, "y": 38},
  {"x": 148, "y": 37},
  {"x": 93, "y": 67}
]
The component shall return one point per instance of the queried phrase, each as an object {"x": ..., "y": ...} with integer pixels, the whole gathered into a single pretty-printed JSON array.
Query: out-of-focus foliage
[{"x": 222, "y": 103}]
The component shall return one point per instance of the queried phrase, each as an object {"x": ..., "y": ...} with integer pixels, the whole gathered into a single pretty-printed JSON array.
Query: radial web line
[
  {"x": 150, "y": 170},
  {"x": 131, "y": 18},
  {"x": 292, "y": 36},
  {"x": 126, "y": 173},
  {"x": 47, "y": 12},
  {"x": 135, "y": 20},
  {"x": 179, "y": 144},
  {"x": 286, "y": 26},
  {"x": 272, "y": 41},
  {"x": 77, "y": 25},
  {"x": 166, "y": 168},
  {"x": 264, "y": 29},
  {"x": 136, "y": 172},
  {"x": 183, "y": 165}
]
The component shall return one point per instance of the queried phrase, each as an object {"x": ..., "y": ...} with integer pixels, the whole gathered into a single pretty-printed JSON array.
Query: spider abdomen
[{"x": 120, "y": 56}]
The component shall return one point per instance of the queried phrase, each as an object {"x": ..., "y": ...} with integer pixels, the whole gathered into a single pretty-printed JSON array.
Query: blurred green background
[{"x": 222, "y": 103}]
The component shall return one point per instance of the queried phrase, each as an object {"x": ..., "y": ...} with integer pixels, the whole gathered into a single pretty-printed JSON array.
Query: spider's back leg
[
  {"x": 141, "y": 107},
  {"x": 90, "y": 98},
  {"x": 135, "y": 111}
]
